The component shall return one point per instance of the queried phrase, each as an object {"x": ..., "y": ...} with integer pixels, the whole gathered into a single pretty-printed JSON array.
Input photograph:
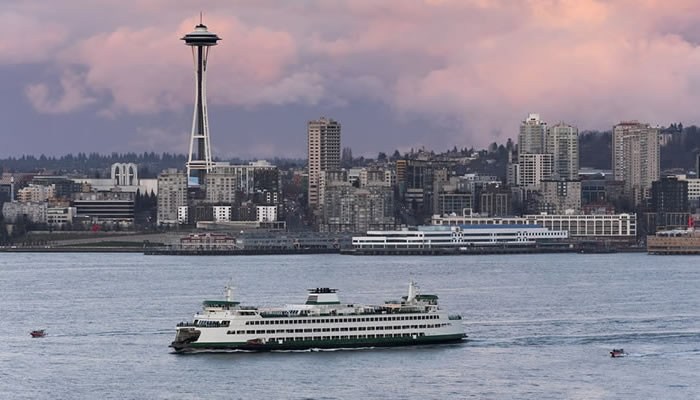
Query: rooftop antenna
[{"x": 200, "y": 17}]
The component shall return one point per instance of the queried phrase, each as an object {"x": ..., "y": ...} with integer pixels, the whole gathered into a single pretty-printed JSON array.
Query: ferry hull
[{"x": 320, "y": 344}]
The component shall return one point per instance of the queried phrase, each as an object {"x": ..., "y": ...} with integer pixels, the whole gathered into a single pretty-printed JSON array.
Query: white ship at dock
[{"x": 321, "y": 322}]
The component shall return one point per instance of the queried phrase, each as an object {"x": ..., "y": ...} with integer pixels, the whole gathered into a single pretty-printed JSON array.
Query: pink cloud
[{"x": 480, "y": 65}]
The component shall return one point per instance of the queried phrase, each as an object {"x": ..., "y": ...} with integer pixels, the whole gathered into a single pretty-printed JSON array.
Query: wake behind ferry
[{"x": 321, "y": 322}]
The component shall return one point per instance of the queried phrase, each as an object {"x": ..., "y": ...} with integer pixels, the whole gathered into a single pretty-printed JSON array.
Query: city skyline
[{"x": 412, "y": 74}]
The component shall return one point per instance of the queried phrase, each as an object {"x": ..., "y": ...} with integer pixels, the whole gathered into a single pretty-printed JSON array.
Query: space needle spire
[{"x": 199, "y": 158}]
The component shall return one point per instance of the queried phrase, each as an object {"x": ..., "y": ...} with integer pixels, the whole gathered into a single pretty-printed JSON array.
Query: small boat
[
  {"x": 38, "y": 333},
  {"x": 617, "y": 353}
]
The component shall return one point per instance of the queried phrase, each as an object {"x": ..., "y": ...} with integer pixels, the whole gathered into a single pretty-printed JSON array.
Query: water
[{"x": 541, "y": 326}]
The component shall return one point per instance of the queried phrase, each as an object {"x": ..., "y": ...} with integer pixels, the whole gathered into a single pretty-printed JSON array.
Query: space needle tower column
[{"x": 200, "y": 40}]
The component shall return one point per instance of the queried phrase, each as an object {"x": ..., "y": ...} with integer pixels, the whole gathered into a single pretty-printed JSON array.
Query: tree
[{"x": 381, "y": 156}]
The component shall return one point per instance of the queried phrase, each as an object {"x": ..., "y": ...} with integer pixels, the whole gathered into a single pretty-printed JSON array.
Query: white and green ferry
[{"x": 322, "y": 322}]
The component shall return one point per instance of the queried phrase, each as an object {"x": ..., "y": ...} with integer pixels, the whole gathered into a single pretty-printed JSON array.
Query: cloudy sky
[{"x": 112, "y": 75}]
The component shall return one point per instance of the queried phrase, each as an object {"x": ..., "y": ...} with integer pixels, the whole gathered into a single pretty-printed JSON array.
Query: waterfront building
[
  {"x": 579, "y": 226},
  {"x": 455, "y": 237},
  {"x": 323, "y": 152},
  {"x": 172, "y": 194},
  {"x": 105, "y": 206},
  {"x": 560, "y": 197},
  {"x": 635, "y": 158},
  {"x": 562, "y": 143},
  {"x": 207, "y": 241},
  {"x": 534, "y": 168}
]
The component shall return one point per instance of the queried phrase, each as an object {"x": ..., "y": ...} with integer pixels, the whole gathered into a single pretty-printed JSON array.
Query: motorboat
[
  {"x": 617, "y": 353},
  {"x": 38, "y": 333}
]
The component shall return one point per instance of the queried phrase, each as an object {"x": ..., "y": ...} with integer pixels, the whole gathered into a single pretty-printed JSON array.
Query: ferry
[{"x": 322, "y": 322}]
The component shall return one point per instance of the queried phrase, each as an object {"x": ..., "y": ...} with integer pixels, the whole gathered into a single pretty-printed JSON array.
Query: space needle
[{"x": 200, "y": 40}]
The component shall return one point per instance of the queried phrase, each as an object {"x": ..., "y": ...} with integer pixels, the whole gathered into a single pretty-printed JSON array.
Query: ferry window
[
  {"x": 335, "y": 329},
  {"x": 259, "y": 332},
  {"x": 326, "y": 329},
  {"x": 247, "y": 322},
  {"x": 362, "y": 328},
  {"x": 353, "y": 336},
  {"x": 289, "y": 330},
  {"x": 414, "y": 326},
  {"x": 343, "y": 329},
  {"x": 250, "y": 332},
  {"x": 280, "y": 331},
  {"x": 335, "y": 337},
  {"x": 380, "y": 335},
  {"x": 240, "y": 332},
  {"x": 352, "y": 328},
  {"x": 317, "y": 329},
  {"x": 307, "y": 330},
  {"x": 370, "y": 328},
  {"x": 298, "y": 330},
  {"x": 271, "y": 331}
]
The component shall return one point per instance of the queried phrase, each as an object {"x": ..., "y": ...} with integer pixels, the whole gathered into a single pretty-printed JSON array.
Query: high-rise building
[
  {"x": 562, "y": 143},
  {"x": 534, "y": 168},
  {"x": 172, "y": 195},
  {"x": 200, "y": 40},
  {"x": 697, "y": 165},
  {"x": 324, "y": 153},
  {"x": 532, "y": 135},
  {"x": 635, "y": 158}
]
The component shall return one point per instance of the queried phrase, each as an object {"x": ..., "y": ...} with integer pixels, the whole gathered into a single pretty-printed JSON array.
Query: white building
[
  {"x": 534, "y": 168},
  {"x": 635, "y": 158},
  {"x": 266, "y": 213},
  {"x": 222, "y": 213},
  {"x": 35, "y": 212},
  {"x": 615, "y": 226},
  {"x": 36, "y": 193},
  {"x": 430, "y": 237},
  {"x": 183, "y": 214},
  {"x": 693, "y": 190},
  {"x": 60, "y": 215}
]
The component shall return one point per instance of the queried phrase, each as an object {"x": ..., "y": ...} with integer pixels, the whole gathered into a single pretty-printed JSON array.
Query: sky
[{"x": 113, "y": 76}]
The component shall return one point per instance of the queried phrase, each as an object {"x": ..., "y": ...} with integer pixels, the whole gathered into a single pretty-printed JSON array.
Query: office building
[
  {"x": 635, "y": 158},
  {"x": 323, "y": 152}
]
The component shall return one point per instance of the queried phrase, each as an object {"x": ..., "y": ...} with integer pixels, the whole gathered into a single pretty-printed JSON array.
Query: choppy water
[{"x": 540, "y": 327}]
